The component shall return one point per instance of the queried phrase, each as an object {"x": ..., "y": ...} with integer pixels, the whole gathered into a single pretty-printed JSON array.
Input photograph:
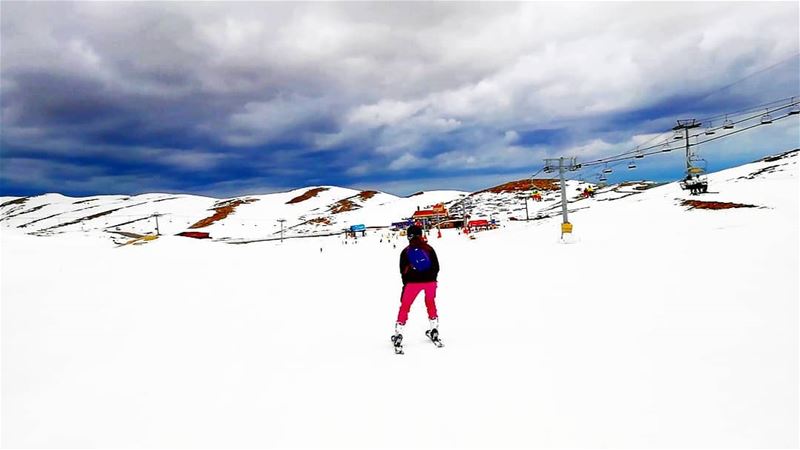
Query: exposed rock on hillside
[
  {"x": 307, "y": 195},
  {"x": 342, "y": 206},
  {"x": 700, "y": 204},
  {"x": 366, "y": 195},
  {"x": 18, "y": 201},
  {"x": 523, "y": 185},
  {"x": 223, "y": 210}
]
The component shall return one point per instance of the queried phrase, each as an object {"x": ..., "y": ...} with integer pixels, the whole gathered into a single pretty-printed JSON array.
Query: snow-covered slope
[
  {"x": 665, "y": 324},
  {"x": 320, "y": 210}
]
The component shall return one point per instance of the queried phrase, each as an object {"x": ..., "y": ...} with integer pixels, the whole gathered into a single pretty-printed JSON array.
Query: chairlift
[
  {"x": 665, "y": 148},
  {"x": 602, "y": 178},
  {"x": 631, "y": 165},
  {"x": 795, "y": 108},
  {"x": 639, "y": 154},
  {"x": 710, "y": 129},
  {"x": 766, "y": 118},
  {"x": 695, "y": 184},
  {"x": 697, "y": 165},
  {"x": 608, "y": 170},
  {"x": 677, "y": 135},
  {"x": 728, "y": 124},
  {"x": 695, "y": 170},
  {"x": 548, "y": 169}
]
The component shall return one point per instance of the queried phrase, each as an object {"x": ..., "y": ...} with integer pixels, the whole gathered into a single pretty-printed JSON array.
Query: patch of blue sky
[{"x": 544, "y": 136}]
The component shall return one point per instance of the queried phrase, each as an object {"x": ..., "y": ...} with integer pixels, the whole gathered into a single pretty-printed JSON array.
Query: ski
[
  {"x": 433, "y": 335},
  {"x": 397, "y": 340}
]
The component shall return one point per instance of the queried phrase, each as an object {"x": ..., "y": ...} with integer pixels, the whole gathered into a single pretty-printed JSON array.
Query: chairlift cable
[
  {"x": 699, "y": 142},
  {"x": 624, "y": 155},
  {"x": 735, "y": 113},
  {"x": 757, "y": 72},
  {"x": 760, "y": 114},
  {"x": 640, "y": 151},
  {"x": 774, "y": 119},
  {"x": 748, "y": 109}
]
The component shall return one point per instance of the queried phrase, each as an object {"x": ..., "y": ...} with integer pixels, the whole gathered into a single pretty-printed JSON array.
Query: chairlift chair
[
  {"x": 631, "y": 165},
  {"x": 665, "y": 148},
  {"x": 697, "y": 165},
  {"x": 766, "y": 118},
  {"x": 608, "y": 170},
  {"x": 710, "y": 129},
  {"x": 728, "y": 124},
  {"x": 695, "y": 184},
  {"x": 695, "y": 170},
  {"x": 677, "y": 135},
  {"x": 795, "y": 109}
]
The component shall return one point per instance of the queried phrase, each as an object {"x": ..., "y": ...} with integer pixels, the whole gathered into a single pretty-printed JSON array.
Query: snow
[
  {"x": 660, "y": 327},
  {"x": 255, "y": 219}
]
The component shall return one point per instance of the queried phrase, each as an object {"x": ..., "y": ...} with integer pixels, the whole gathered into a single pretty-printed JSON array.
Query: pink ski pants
[{"x": 410, "y": 292}]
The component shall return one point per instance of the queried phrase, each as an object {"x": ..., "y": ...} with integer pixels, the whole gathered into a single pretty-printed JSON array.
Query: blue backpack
[{"x": 419, "y": 259}]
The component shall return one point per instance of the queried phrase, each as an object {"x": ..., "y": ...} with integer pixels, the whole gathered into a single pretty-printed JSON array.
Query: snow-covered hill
[
  {"x": 321, "y": 210},
  {"x": 311, "y": 211},
  {"x": 670, "y": 321}
]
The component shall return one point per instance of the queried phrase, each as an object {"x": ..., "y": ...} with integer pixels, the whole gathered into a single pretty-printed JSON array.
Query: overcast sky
[{"x": 227, "y": 99}]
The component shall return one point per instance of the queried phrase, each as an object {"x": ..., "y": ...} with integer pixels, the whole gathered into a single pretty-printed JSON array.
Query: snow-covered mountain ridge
[{"x": 326, "y": 210}]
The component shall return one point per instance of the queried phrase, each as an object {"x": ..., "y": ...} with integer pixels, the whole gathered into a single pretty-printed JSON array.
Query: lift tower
[
  {"x": 563, "y": 164},
  {"x": 694, "y": 182}
]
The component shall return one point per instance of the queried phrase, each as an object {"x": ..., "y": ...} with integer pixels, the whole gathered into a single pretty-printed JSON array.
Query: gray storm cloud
[{"x": 384, "y": 81}]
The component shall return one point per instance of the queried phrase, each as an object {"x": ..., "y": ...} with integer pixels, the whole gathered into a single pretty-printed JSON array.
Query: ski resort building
[
  {"x": 430, "y": 217},
  {"x": 482, "y": 224},
  {"x": 360, "y": 228},
  {"x": 396, "y": 226}
]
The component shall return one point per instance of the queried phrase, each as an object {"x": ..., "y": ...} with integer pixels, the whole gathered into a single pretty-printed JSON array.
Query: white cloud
[
  {"x": 389, "y": 80},
  {"x": 497, "y": 156},
  {"x": 192, "y": 160},
  {"x": 511, "y": 136},
  {"x": 593, "y": 148},
  {"x": 359, "y": 170},
  {"x": 407, "y": 161},
  {"x": 258, "y": 122},
  {"x": 385, "y": 112}
]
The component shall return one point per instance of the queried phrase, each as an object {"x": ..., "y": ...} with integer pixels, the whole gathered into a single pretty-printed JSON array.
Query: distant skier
[{"x": 419, "y": 268}]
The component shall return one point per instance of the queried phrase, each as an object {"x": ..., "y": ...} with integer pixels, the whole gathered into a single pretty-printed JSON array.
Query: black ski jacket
[{"x": 409, "y": 274}]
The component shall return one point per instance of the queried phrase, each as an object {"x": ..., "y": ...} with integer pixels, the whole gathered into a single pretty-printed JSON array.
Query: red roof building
[
  {"x": 478, "y": 223},
  {"x": 431, "y": 216},
  {"x": 424, "y": 214},
  {"x": 481, "y": 224}
]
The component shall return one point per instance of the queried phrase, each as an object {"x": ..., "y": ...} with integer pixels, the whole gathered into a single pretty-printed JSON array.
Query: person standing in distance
[{"x": 419, "y": 268}]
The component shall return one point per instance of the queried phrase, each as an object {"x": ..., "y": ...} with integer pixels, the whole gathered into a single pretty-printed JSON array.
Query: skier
[{"x": 419, "y": 268}]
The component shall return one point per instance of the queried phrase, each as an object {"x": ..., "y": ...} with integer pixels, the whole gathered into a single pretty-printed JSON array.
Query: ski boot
[
  {"x": 433, "y": 333},
  {"x": 397, "y": 339}
]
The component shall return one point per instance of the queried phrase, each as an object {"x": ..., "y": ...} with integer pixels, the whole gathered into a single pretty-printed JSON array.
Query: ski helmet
[{"x": 413, "y": 230}]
